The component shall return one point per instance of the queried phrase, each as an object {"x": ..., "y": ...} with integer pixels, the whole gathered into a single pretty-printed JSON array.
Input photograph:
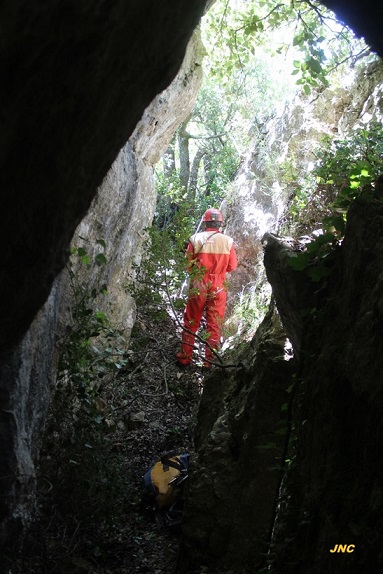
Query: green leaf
[
  {"x": 314, "y": 66},
  {"x": 315, "y": 246},
  {"x": 100, "y": 315},
  {"x": 100, "y": 259},
  {"x": 337, "y": 222},
  {"x": 298, "y": 41},
  {"x": 318, "y": 272},
  {"x": 298, "y": 261},
  {"x": 281, "y": 431},
  {"x": 251, "y": 28}
]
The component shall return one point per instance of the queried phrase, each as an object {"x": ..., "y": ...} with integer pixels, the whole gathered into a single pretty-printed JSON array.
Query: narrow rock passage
[{"x": 90, "y": 516}]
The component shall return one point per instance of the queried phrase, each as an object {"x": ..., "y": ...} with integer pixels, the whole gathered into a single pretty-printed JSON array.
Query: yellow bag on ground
[{"x": 166, "y": 477}]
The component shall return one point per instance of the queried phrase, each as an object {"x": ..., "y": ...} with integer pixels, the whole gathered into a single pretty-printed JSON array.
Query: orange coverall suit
[{"x": 211, "y": 255}]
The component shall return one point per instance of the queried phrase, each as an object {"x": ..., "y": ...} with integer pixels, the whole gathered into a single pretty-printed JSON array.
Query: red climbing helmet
[{"x": 212, "y": 215}]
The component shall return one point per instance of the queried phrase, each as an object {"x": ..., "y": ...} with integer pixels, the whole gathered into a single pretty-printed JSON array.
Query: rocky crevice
[
  {"x": 79, "y": 77},
  {"x": 334, "y": 329}
]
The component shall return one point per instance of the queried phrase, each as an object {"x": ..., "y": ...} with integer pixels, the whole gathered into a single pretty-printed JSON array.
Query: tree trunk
[
  {"x": 183, "y": 146},
  {"x": 193, "y": 179},
  {"x": 169, "y": 162},
  {"x": 207, "y": 174}
]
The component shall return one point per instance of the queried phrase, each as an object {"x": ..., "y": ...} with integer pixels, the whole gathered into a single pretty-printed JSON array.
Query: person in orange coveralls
[{"x": 211, "y": 254}]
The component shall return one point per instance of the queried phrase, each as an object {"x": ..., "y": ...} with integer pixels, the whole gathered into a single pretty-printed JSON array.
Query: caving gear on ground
[
  {"x": 212, "y": 214},
  {"x": 211, "y": 254},
  {"x": 164, "y": 483},
  {"x": 165, "y": 478}
]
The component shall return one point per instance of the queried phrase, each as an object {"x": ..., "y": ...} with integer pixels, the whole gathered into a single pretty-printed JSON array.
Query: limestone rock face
[
  {"x": 78, "y": 78},
  {"x": 260, "y": 195},
  {"x": 27, "y": 380},
  {"x": 117, "y": 216},
  {"x": 126, "y": 200},
  {"x": 161, "y": 119}
]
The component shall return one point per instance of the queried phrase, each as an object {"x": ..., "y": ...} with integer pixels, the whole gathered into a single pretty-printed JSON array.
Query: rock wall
[
  {"x": 126, "y": 200},
  {"x": 332, "y": 491},
  {"x": 27, "y": 380},
  {"x": 263, "y": 185},
  {"x": 240, "y": 440},
  {"x": 78, "y": 79}
]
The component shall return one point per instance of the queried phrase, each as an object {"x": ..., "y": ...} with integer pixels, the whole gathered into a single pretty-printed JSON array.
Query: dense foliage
[
  {"x": 258, "y": 56},
  {"x": 347, "y": 169},
  {"x": 305, "y": 32},
  {"x": 93, "y": 347},
  {"x": 157, "y": 280}
]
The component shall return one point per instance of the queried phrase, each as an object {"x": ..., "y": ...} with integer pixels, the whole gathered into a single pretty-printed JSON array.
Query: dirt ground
[{"x": 91, "y": 516}]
